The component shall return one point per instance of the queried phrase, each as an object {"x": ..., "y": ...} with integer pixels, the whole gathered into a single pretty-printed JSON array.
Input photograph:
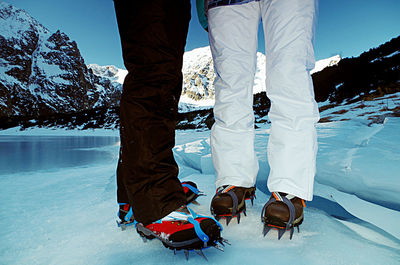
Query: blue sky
[{"x": 346, "y": 27}]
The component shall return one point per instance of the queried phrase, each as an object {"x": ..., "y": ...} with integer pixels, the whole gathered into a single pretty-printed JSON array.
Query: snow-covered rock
[
  {"x": 43, "y": 72},
  {"x": 198, "y": 74},
  {"x": 111, "y": 72}
]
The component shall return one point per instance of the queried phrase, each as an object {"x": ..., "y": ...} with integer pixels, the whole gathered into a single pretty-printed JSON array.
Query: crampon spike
[
  {"x": 201, "y": 254},
  {"x": 252, "y": 200},
  {"x": 222, "y": 243},
  {"x": 280, "y": 233},
  {"x": 228, "y": 220},
  {"x": 225, "y": 241},
  {"x": 186, "y": 254},
  {"x": 174, "y": 251},
  {"x": 291, "y": 233},
  {"x": 195, "y": 203},
  {"x": 298, "y": 229},
  {"x": 266, "y": 230},
  {"x": 218, "y": 247},
  {"x": 122, "y": 226},
  {"x": 238, "y": 218},
  {"x": 244, "y": 212}
]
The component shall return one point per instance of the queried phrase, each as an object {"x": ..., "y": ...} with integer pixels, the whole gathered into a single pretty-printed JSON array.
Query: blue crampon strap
[
  {"x": 195, "y": 215},
  {"x": 190, "y": 187},
  {"x": 196, "y": 225},
  {"x": 198, "y": 230},
  {"x": 200, "y": 233},
  {"x": 120, "y": 204},
  {"x": 129, "y": 214}
]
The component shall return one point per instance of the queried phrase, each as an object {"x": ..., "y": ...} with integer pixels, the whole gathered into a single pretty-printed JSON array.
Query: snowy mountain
[
  {"x": 322, "y": 64},
  {"x": 110, "y": 72},
  {"x": 109, "y": 84},
  {"x": 43, "y": 72},
  {"x": 198, "y": 73}
]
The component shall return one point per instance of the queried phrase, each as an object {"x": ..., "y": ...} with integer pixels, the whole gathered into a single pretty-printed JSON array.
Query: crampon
[
  {"x": 229, "y": 202},
  {"x": 191, "y": 192},
  {"x": 125, "y": 213},
  {"x": 185, "y": 230},
  {"x": 282, "y": 212}
]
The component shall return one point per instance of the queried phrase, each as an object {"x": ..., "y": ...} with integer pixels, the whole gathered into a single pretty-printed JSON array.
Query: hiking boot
[
  {"x": 282, "y": 212},
  {"x": 229, "y": 202}
]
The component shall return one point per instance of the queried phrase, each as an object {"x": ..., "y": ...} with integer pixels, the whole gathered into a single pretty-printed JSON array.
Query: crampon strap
[
  {"x": 193, "y": 189},
  {"x": 286, "y": 201}
]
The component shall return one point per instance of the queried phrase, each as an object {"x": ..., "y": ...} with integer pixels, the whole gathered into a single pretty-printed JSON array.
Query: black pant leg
[{"x": 153, "y": 36}]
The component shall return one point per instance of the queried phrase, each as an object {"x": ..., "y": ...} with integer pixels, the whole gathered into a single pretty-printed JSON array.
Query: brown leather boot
[
  {"x": 282, "y": 212},
  {"x": 229, "y": 202}
]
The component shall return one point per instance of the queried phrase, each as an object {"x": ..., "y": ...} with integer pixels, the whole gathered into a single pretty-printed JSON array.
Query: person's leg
[
  {"x": 153, "y": 35},
  {"x": 289, "y": 27},
  {"x": 233, "y": 41}
]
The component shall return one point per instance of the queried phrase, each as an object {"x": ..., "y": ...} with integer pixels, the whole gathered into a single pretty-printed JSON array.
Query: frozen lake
[
  {"x": 58, "y": 201},
  {"x": 36, "y": 153}
]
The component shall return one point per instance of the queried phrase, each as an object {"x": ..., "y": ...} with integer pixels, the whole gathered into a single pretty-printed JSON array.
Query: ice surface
[
  {"x": 67, "y": 215},
  {"x": 362, "y": 160}
]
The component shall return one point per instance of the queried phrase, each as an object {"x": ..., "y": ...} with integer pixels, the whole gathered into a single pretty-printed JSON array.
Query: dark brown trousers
[{"x": 153, "y": 36}]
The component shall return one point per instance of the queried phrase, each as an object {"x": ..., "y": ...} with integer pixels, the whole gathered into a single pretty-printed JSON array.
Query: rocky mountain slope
[{"x": 43, "y": 72}]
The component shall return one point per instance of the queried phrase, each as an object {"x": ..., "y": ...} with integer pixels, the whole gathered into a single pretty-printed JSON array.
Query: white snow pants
[{"x": 289, "y": 27}]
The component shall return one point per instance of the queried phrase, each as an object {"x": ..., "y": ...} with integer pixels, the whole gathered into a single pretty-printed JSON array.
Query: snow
[
  {"x": 121, "y": 75},
  {"x": 321, "y": 64},
  {"x": 187, "y": 104},
  {"x": 51, "y": 70},
  {"x": 199, "y": 57},
  {"x": 259, "y": 78},
  {"x": 392, "y": 54},
  {"x": 110, "y": 72},
  {"x": 387, "y": 56},
  {"x": 67, "y": 215},
  {"x": 16, "y": 21}
]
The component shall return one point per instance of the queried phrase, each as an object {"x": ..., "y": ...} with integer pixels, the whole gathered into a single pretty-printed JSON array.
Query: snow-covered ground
[{"x": 67, "y": 216}]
